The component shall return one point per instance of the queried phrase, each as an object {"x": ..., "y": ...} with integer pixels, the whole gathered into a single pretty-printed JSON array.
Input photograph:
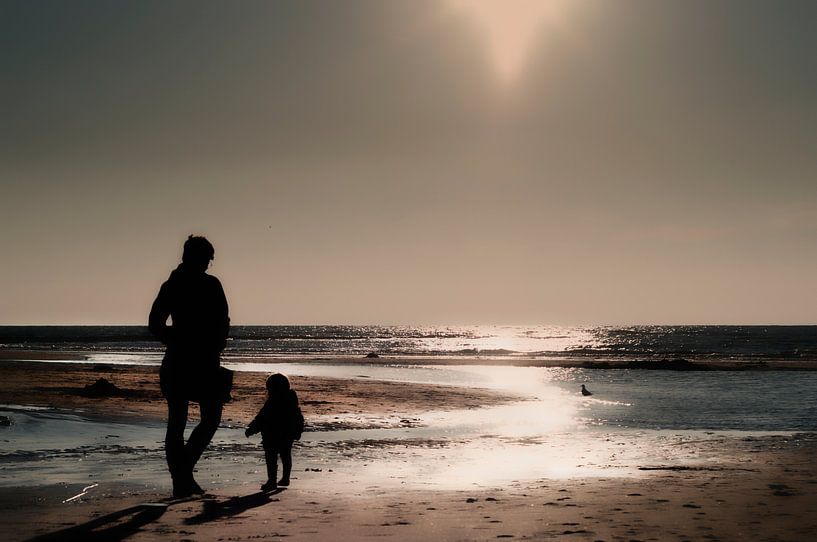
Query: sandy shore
[
  {"x": 769, "y": 498},
  {"x": 717, "y": 488}
]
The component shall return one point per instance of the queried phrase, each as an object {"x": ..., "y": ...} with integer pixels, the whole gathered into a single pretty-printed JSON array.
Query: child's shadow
[{"x": 213, "y": 510}]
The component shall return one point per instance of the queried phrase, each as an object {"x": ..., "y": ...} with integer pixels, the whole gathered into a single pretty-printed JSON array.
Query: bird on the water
[{"x": 585, "y": 391}]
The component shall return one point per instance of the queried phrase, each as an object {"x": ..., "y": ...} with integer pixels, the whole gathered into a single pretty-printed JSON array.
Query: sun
[{"x": 511, "y": 28}]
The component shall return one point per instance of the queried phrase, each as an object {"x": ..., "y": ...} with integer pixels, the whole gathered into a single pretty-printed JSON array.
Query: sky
[{"x": 413, "y": 161}]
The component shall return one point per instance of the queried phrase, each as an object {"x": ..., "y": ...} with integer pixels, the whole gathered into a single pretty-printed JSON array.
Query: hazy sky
[{"x": 618, "y": 161}]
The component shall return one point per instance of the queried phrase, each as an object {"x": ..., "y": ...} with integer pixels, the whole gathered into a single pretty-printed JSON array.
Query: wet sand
[{"x": 720, "y": 488}]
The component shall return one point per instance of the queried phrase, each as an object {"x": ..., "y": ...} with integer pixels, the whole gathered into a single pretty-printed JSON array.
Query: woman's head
[
  {"x": 277, "y": 383},
  {"x": 198, "y": 252}
]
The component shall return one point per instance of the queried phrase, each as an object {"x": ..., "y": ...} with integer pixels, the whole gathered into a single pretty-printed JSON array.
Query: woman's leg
[
  {"x": 204, "y": 431},
  {"x": 177, "y": 460}
]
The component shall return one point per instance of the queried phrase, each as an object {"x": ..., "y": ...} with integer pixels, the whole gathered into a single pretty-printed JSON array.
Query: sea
[
  {"x": 499, "y": 343},
  {"x": 635, "y": 418}
]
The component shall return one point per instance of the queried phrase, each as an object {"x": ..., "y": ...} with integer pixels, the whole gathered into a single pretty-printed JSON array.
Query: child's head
[{"x": 277, "y": 383}]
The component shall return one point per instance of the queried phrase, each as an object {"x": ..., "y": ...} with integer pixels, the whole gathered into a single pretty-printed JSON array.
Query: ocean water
[
  {"x": 733, "y": 343},
  {"x": 634, "y": 418}
]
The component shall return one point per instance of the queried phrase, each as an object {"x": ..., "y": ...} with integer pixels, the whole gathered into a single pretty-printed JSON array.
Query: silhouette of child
[{"x": 280, "y": 422}]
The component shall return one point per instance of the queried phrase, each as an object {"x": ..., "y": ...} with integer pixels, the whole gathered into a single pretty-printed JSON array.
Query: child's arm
[
  {"x": 254, "y": 427},
  {"x": 258, "y": 423}
]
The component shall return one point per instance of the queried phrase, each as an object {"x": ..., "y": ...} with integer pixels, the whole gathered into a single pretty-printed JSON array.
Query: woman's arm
[{"x": 159, "y": 313}]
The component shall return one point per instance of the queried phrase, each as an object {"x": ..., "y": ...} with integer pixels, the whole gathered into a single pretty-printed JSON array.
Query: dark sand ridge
[
  {"x": 673, "y": 364},
  {"x": 61, "y": 385}
]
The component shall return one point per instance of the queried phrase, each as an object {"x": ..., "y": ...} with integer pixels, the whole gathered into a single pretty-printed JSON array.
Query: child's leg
[
  {"x": 286, "y": 461},
  {"x": 271, "y": 457}
]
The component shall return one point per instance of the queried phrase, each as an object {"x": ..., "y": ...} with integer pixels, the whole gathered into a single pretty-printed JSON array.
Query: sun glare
[{"x": 511, "y": 28}]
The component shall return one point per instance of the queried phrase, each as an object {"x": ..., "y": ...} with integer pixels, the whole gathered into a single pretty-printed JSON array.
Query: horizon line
[{"x": 630, "y": 324}]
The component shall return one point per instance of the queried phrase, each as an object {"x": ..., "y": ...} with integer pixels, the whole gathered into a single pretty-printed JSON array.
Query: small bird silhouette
[{"x": 585, "y": 391}]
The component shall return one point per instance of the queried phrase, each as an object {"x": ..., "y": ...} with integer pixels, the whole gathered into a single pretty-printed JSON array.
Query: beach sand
[{"x": 749, "y": 488}]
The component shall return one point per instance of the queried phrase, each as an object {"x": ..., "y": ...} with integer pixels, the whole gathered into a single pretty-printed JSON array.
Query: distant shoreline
[{"x": 674, "y": 364}]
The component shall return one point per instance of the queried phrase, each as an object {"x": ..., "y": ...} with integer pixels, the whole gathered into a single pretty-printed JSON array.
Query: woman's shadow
[
  {"x": 114, "y": 526},
  {"x": 128, "y": 521}
]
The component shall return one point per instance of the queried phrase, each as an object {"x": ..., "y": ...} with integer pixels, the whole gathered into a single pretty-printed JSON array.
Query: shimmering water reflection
[{"x": 622, "y": 398}]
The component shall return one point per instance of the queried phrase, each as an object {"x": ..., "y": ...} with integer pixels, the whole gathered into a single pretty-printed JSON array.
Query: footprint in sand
[{"x": 782, "y": 490}]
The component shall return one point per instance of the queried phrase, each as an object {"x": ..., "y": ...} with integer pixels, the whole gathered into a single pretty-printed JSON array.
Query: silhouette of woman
[{"x": 198, "y": 307}]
